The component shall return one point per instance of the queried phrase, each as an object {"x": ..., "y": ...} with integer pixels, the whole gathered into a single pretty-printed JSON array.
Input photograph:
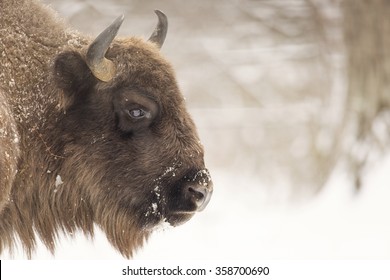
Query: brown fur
[{"x": 75, "y": 159}]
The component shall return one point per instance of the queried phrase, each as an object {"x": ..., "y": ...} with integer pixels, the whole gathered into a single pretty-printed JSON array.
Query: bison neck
[{"x": 30, "y": 38}]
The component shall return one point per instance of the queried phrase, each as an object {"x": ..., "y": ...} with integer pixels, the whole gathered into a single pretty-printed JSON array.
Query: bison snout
[
  {"x": 200, "y": 195},
  {"x": 188, "y": 195}
]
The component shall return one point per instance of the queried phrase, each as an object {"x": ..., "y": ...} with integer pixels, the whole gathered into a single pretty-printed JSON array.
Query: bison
[{"x": 92, "y": 132}]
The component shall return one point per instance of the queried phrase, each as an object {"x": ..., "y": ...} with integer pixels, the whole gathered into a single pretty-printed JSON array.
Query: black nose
[{"x": 200, "y": 194}]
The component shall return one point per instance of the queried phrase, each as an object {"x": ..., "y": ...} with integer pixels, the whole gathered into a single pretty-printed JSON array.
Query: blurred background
[{"x": 291, "y": 100}]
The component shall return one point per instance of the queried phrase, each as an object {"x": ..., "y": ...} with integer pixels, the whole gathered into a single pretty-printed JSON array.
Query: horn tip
[
  {"x": 160, "y": 15},
  {"x": 160, "y": 32},
  {"x": 120, "y": 18}
]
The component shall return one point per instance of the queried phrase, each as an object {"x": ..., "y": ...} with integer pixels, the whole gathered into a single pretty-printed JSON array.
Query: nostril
[{"x": 200, "y": 195}]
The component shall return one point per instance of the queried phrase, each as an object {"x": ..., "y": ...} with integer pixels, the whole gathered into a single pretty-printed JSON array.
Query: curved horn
[
  {"x": 160, "y": 32},
  {"x": 101, "y": 67}
]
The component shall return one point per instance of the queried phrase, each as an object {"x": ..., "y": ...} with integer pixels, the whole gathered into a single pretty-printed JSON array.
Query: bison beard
[{"x": 92, "y": 132}]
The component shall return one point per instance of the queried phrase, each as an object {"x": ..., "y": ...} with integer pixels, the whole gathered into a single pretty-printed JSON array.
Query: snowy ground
[
  {"x": 234, "y": 77},
  {"x": 258, "y": 224},
  {"x": 254, "y": 224}
]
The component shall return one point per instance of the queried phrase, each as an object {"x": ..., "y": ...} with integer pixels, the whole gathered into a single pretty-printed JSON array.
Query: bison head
[{"x": 129, "y": 144}]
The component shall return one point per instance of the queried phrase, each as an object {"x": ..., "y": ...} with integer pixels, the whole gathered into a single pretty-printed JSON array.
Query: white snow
[
  {"x": 58, "y": 181},
  {"x": 246, "y": 220},
  {"x": 258, "y": 224}
]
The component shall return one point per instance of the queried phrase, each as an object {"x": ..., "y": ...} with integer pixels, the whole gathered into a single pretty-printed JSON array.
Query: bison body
[{"x": 82, "y": 145}]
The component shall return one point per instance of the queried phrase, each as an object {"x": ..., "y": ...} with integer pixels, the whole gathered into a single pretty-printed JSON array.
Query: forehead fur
[
  {"x": 141, "y": 66},
  {"x": 140, "y": 63}
]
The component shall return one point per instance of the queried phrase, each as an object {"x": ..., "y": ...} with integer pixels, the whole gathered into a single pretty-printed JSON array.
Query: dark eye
[{"x": 139, "y": 113}]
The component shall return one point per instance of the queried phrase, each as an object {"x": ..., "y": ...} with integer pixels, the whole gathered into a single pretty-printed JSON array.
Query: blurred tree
[
  {"x": 349, "y": 41},
  {"x": 367, "y": 45}
]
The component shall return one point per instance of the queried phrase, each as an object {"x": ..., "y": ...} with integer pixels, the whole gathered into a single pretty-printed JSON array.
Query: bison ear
[{"x": 72, "y": 76}]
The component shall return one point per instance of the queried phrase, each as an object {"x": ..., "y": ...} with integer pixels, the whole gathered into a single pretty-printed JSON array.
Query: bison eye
[
  {"x": 139, "y": 113},
  {"x": 134, "y": 111}
]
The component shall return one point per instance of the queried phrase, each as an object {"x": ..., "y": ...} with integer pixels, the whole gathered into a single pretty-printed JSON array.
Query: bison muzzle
[{"x": 92, "y": 132}]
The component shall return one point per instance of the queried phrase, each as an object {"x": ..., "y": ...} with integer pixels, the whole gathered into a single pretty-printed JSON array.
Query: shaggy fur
[{"x": 70, "y": 155}]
